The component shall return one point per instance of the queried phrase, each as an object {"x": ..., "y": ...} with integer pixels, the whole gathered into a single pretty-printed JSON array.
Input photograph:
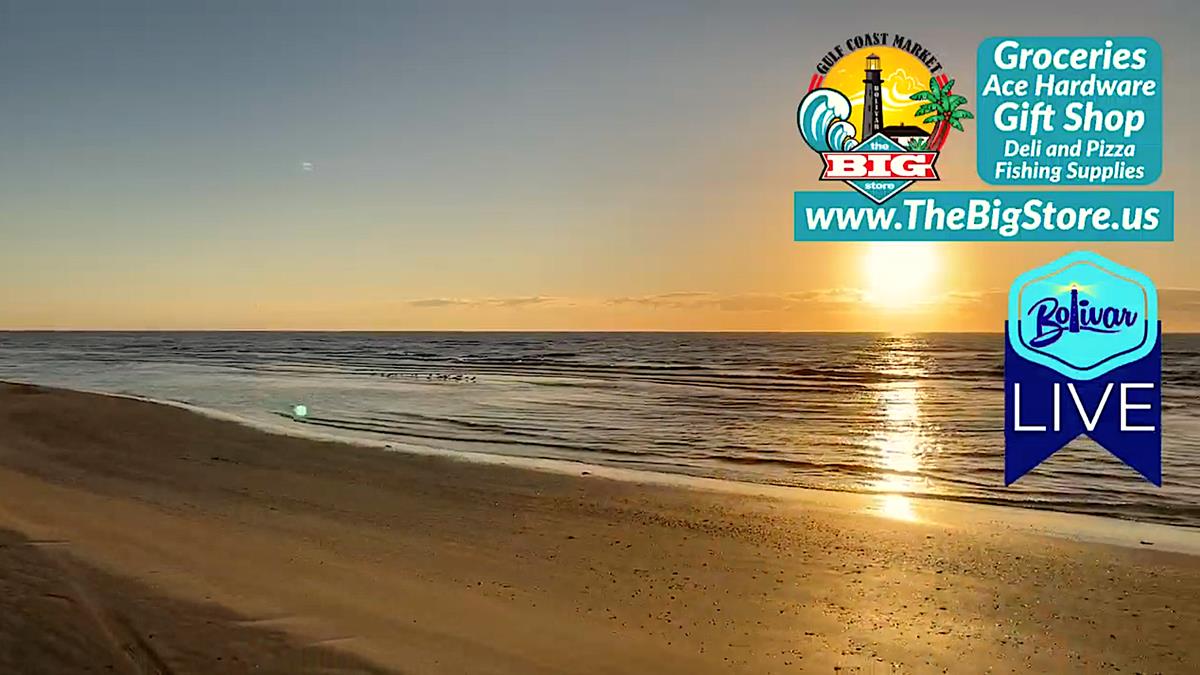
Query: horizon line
[{"x": 517, "y": 330}]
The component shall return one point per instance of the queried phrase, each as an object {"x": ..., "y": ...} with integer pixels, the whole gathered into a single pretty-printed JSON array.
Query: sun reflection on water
[{"x": 901, "y": 439}]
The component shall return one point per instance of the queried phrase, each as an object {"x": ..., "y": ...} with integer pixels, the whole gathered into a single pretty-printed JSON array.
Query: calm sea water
[{"x": 916, "y": 415}]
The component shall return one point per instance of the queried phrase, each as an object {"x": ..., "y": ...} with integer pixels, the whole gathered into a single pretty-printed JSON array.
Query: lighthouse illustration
[
  {"x": 1074, "y": 324},
  {"x": 872, "y": 98},
  {"x": 872, "y": 121}
]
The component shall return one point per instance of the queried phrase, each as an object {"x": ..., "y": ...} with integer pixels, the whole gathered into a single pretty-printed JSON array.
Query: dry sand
[{"x": 141, "y": 538}]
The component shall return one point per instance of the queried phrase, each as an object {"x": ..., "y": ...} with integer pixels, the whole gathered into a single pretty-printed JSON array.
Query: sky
[{"x": 516, "y": 166}]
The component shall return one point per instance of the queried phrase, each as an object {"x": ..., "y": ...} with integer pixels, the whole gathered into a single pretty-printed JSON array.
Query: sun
[{"x": 900, "y": 275}]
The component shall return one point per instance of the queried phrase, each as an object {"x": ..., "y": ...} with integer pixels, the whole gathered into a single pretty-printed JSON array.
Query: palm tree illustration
[{"x": 944, "y": 110}]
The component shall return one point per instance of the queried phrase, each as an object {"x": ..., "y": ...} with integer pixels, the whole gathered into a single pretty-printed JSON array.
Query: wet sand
[{"x": 142, "y": 538}]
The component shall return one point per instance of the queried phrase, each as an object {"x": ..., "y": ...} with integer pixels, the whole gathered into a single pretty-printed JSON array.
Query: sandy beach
[{"x": 142, "y": 538}]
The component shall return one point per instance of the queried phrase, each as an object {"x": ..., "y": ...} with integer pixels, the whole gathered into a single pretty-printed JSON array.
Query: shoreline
[
  {"x": 294, "y": 552},
  {"x": 1058, "y": 523}
]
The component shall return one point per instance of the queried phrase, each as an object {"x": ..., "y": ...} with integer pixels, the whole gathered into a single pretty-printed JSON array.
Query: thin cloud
[
  {"x": 679, "y": 299},
  {"x": 1178, "y": 301},
  {"x": 439, "y": 302},
  {"x": 745, "y": 302},
  {"x": 520, "y": 301}
]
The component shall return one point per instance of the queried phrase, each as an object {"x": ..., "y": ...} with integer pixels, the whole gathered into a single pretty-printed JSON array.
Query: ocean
[{"x": 917, "y": 415}]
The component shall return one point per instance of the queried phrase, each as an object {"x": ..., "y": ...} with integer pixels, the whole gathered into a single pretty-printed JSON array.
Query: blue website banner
[
  {"x": 1069, "y": 110},
  {"x": 1073, "y": 216}
]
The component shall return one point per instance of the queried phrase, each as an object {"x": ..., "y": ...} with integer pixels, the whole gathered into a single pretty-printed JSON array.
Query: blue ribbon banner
[{"x": 1120, "y": 410}]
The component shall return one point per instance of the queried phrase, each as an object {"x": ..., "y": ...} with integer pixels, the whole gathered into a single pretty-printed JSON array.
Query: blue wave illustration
[{"x": 823, "y": 118}]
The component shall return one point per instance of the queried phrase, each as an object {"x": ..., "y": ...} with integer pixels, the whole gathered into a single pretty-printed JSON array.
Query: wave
[
  {"x": 815, "y": 410},
  {"x": 823, "y": 119}
]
